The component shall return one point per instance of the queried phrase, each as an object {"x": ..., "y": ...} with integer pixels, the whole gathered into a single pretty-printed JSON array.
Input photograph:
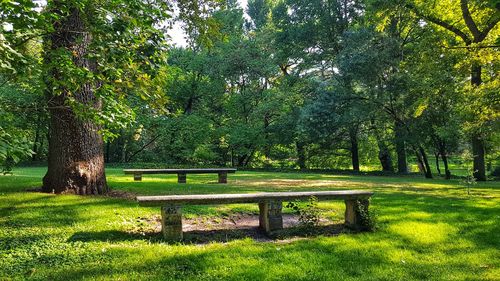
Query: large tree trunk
[
  {"x": 400, "y": 149},
  {"x": 301, "y": 155},
  {"x": 479, "y": 163},
  {"x": 385, "y": 157},
  {"x": 477, "y": 143},
  {"x": 353, "y": 136},
  {"x": 76, "y": 156}
]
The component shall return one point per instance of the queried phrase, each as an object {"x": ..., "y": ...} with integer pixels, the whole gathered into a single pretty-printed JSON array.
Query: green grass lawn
[{"x": 428, "y": 229}]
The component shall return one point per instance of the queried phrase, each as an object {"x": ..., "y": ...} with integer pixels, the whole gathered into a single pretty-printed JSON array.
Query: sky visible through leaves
[{"x": 176, "y": 34}]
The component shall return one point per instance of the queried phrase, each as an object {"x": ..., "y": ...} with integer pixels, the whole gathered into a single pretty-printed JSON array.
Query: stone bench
[
  {"x": 181, "y": 173},
  {"x": 270, "y": 206}
]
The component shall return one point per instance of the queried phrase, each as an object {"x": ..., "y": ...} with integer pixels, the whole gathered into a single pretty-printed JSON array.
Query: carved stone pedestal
[
  {"x": 270, "y": 218},
  {"x": 171, "y": 222}
]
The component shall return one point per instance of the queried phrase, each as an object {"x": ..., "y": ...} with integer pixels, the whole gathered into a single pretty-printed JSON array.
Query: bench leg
[
  {"x": 181, "y": 178},
  {"x": 171, "y": 222},
  {"x": 137, "y": 177},
  {"x": 270, "y": 218},
  {"x": 355, "y": 214},
  {"x": 223, "y": 177}
]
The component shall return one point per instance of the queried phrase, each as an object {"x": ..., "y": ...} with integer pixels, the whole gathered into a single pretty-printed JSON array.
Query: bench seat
[
  {"x": 181, "y": 173},
  {"x": 270, "y": 207}
]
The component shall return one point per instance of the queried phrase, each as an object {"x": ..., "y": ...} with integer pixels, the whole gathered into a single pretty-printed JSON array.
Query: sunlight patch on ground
[
  {"x": 314, "y": 183},
  {"x": 423, "y": 233},
  {"x": 279, "y": 183},
  {"x": 418, "y": 215}
]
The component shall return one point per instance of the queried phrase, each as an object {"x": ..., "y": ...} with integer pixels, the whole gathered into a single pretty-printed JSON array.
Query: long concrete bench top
[
  {"x": 207, "y": 199},
  {"x": 183, "y": 171}
]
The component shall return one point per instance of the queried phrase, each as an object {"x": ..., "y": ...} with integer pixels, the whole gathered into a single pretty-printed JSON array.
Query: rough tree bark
[
  {"x": 76, "y": 156},
  {"x": 479, "y": 164},
  {"x": 385, "y": 157}
]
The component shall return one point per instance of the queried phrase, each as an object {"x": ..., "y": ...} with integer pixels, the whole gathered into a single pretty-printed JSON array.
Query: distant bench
[
  {"x": 270, "y": 206},
  {"x": 181, "y": 173}
]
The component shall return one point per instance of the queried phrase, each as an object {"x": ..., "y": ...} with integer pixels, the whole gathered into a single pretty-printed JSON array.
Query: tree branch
[
  {"x": 142, "y": 148},
  {"x": 469, "y": 22},
  {"x": 473, "y": 47},
  {"x": 441, "y": 23}
]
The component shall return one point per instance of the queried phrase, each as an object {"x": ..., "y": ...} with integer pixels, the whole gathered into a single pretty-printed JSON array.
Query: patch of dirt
[
  {"x": 121, "y": 194},
  {"x": 201, "y": 230},
  {"x": 236, "y": 221}
]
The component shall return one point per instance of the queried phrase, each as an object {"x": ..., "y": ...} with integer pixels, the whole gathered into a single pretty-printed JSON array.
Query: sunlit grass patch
[{"x": 422, "y": 233}]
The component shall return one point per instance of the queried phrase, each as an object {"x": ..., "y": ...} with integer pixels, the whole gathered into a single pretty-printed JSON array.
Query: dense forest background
[{"x": 363, "y": 85}]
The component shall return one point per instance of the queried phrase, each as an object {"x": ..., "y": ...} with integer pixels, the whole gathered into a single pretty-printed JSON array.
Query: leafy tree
[
  {"x": 259, "y": 11},
  {"x": 15, "y": 143},
  {"x": 474, "y": 26},
  {"x": 334, "y": 117},
  {"x": 95, "y": 56}
]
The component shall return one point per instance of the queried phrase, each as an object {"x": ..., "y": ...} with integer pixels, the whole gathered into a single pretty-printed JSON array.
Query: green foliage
[
  {"x": 309, "y": 214},
  {"x": 369, "y": 218},
  {"x": 13, "y": 148},
  {"x": 16, "y": 117},
  {"x": 128, "y": 46},
  {"x": 259, "y": 12}
]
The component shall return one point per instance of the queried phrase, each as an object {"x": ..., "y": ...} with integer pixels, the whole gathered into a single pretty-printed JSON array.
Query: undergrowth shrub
[{"x": 308, "y": 212}]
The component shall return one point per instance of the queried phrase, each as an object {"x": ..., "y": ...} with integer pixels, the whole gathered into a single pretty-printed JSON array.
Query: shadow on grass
[
  {"x": 300, "y": 260},
  {"x": 208, "y": 236},
  {"x": 108, "y": 236},
  {"x": 227, "y": 235}
]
